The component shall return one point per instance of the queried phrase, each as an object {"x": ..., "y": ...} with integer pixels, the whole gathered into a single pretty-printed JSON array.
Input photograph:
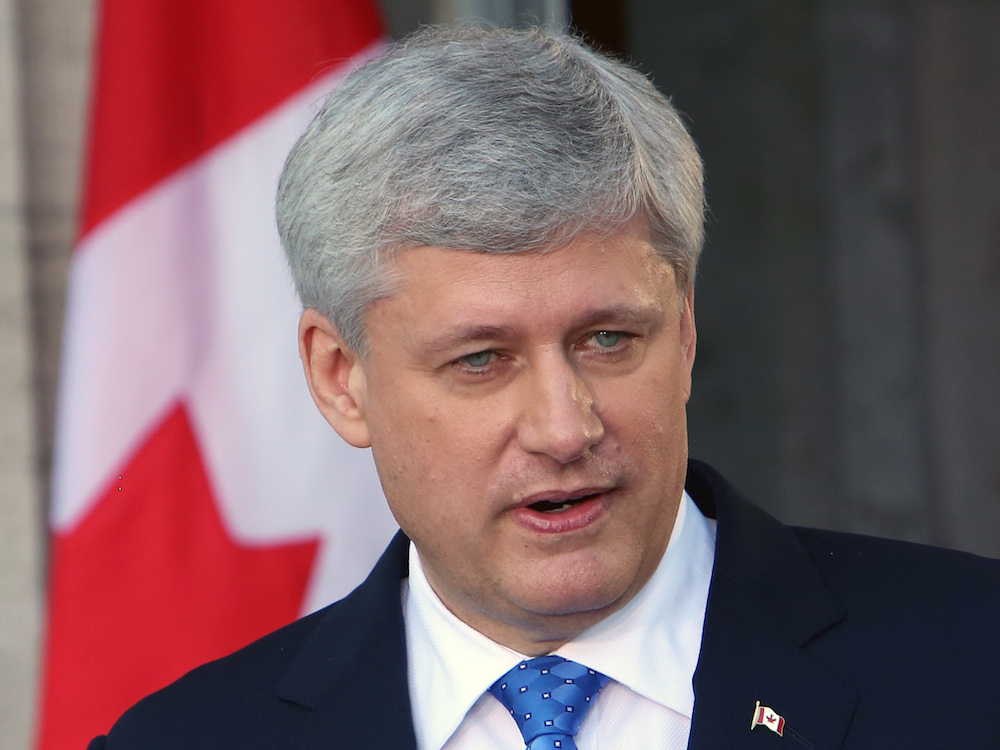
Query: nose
[{"x": 558, "y": 417}]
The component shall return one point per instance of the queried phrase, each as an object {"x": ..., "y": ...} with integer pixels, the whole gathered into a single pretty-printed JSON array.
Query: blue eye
[
  {"x": 607, "y": 339},
  {"x": 477, "y": 360}
]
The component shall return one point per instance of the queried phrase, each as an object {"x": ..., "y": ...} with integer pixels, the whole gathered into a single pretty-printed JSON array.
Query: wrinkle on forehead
[{"x": 536, "y": 275}]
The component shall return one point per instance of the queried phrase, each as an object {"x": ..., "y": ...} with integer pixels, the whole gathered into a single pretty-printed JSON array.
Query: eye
[
  {"x": 607, "y": 339},
  {"x": 477, "y": 360}
]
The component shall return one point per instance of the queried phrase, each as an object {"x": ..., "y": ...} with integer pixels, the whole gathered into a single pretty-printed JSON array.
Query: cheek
[
  {"x": 652, "y": 399},
  {"x": 432, "y": 459},
  {"x": 646, "y": 422}
]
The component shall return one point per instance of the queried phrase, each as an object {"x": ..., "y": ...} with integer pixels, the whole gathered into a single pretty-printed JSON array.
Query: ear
[
  {"x": 689, "y": 338},
  {"x": 336, "y": 377}
]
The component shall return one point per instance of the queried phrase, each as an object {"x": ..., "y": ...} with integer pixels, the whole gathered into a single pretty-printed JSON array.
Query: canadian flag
[
  {"x": 764, "y": 716},
  {"x": 199, "y": 500}
]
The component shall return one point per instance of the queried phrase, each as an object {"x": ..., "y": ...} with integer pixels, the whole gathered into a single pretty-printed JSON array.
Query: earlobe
[{"x": 336, "y": 377}]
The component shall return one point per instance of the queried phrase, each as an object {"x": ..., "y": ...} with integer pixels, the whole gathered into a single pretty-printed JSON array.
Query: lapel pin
[{"x": 767, "y": 717}]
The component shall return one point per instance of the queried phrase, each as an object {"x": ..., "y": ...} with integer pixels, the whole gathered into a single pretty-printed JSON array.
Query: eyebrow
[
  {"x": 638, "y": 314},
  {"x": 609, "y": 316},
  {"x": 466, "y": 334}
]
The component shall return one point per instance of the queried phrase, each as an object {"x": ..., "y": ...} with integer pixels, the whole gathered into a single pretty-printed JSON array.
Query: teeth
[{"x": 561, "y": 508}]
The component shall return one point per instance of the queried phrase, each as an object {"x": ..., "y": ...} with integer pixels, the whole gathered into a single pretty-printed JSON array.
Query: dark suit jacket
[{"x": 857, "y": 642}]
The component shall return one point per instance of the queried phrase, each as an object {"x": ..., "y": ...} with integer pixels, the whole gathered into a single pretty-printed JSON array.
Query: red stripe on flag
[
  {"x": 177, "y": 77},
  {"x": 150, "y": 585}
]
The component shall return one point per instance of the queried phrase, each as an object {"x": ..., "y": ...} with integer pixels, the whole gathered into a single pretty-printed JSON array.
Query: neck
[{"x": 533, "y": 633}]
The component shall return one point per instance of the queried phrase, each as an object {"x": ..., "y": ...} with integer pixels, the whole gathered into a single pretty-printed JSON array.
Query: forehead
[{"x": 442, "y": 288}]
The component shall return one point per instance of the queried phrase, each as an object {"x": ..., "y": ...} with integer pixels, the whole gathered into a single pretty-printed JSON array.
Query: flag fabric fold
[{"x": 199, "y": 500}]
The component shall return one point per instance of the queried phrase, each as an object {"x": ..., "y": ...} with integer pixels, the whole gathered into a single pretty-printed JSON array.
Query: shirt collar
[
  {"x": 651, "y": 645},
  {"x": 450, "y": 665}
]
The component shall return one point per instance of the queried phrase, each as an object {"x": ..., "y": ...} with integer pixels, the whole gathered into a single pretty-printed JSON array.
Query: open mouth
[{"x": 546, "y": 506}]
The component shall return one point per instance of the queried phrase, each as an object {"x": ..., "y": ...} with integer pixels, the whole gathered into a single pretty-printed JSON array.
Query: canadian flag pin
[{"x": 763, "y": 716}]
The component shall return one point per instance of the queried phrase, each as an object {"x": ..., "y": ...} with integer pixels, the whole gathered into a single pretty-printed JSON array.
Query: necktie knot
[{"x": 548, "y": 696}]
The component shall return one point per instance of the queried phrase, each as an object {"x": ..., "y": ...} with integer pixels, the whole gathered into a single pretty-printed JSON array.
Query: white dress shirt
[{"x": 649, "y": 649}]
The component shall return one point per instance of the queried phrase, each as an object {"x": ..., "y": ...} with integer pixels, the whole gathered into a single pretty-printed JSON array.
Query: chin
[{"x": 582, "y": 596}]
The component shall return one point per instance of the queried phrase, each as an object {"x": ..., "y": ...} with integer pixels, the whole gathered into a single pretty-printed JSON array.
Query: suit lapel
[
  {"x": 350, "y": 674},
  {"x": 767, "y": 601}
]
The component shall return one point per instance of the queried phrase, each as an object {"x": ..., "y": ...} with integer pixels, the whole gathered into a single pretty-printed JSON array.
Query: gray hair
[{"x": 494, "y": 141}]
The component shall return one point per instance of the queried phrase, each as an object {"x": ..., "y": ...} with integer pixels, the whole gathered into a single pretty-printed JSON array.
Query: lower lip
[{"x": 579, "y": 516}]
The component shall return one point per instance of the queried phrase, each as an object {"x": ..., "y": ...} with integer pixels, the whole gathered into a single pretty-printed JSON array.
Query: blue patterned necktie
[{"x": 548, "y": 697}]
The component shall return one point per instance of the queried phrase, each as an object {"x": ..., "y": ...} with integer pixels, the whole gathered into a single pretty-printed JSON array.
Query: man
[{"x": 494, "y": 235}]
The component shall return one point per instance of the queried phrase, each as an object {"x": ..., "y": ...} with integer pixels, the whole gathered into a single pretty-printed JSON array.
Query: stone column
[
  {"x": 20, "y": 512},
  {"x": 881, "y": 446},
  {"x": 957, "y": 71},
  {"x": 44, "y": 74}
]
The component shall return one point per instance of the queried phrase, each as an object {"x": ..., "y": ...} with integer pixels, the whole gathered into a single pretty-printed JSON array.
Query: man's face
[{"x": 527, "y": 417}]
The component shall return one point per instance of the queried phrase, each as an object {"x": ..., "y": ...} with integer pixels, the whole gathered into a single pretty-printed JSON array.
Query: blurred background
[{"x": 848, "y": 304}]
